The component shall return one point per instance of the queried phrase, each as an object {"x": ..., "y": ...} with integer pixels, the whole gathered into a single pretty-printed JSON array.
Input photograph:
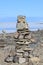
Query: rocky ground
[{"x": 37, "y": 51}]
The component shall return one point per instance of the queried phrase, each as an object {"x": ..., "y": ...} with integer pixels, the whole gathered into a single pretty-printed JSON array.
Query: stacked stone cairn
[{"x": 23, "y": 39}]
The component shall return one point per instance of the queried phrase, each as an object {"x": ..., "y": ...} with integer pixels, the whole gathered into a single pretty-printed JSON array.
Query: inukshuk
[{"x": 23, "y": 39}]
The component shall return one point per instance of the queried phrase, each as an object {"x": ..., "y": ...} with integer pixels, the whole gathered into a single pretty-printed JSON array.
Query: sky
[{"x": 10, "y": 9}]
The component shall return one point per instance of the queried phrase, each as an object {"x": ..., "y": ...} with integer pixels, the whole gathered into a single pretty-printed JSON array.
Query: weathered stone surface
[
  {"x": 21, "y": 36},
  {"x": 9, "y": 59},
  {"x": 21, "y": 24},
  {"x": 27, "y": 49},
  {"x": 16, "y": 35},
  {"x": 20, "y": 51},
  {"x": 22, "y": 60},
  {"x": 19, "y": 54}
]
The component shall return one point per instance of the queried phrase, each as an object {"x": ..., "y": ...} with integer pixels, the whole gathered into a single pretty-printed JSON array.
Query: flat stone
[
  {"x": 20, "y": 51},
  {"x": 27, "y": 49},
  {"x": 19, "y": 54}
]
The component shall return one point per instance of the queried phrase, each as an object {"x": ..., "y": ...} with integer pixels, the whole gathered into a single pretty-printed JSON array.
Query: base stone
[{"x": 22, "y": 60}]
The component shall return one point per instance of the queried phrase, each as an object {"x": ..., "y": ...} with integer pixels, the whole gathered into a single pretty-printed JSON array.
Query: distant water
[{"x": 9, "y": 23}]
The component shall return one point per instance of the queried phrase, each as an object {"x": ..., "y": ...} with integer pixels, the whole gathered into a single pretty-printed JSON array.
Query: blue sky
[
  {"x": 10, "y": 9},
  {"x": 30, "y": 8}
]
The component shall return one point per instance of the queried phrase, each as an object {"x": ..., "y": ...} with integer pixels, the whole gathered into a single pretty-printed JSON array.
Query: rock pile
[{"x": 22, "y": 40}]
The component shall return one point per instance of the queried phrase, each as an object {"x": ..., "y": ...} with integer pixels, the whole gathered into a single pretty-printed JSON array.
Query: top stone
[{"x": 21, "y": 23}]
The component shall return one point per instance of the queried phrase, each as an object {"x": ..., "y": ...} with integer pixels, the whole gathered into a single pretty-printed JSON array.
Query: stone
[
  {"x": 20, "y": 36},
  {"x": 19, "y": 54},
  {"x": 26, "y": 54},
  {"x": 28, "y": 36},
  {"x": 9, "y": 59},
  {"x": 21, "y": 24},
  {"x": 22, "y": 60},
  {"x": 15, "y": 59},
  {"x": 20, "y": 43},
  {"x": 27, "y": 42},
  {"x": 16, "y": 35},
  {"x": 33, "y": 40},
  {"x": 20, "y": 51},
  {"x": 35, "y": 59},
  {"x": 27, "y": 49}
]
